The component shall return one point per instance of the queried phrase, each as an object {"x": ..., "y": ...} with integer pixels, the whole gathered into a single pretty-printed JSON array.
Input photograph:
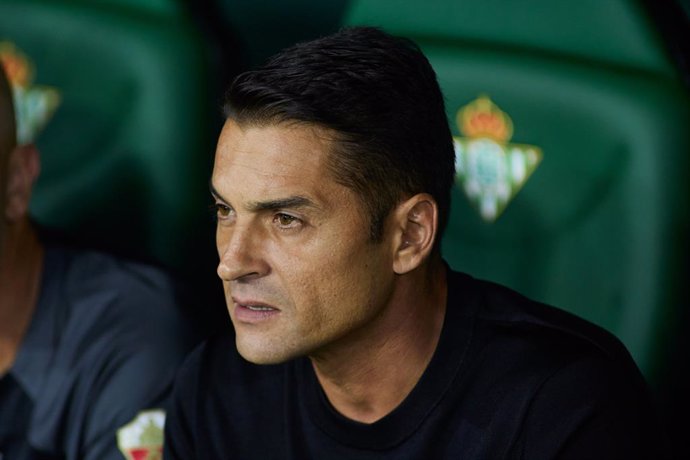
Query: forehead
[{"x": 272, "y": 159}]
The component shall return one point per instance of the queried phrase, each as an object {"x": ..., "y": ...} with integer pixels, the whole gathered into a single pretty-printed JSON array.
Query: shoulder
[
  {"x": 101, "y": 294},
  {"x": 506, "y": 315},
  {"x": 119, "y": 333},
  {"x": 90, "y": 273},
  {"x": 528, "y": 348},
  {"x": 540, "y": 362},
  {"x": 118, "y": 321}
]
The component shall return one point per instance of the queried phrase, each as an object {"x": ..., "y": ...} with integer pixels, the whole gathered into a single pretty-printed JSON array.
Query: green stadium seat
[
  {"x": 127, "y": 156},
  {"x": 261, "y": 29}
]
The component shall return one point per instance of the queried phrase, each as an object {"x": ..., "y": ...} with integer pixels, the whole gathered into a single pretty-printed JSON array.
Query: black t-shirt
[{"x": 510, "y": 378}]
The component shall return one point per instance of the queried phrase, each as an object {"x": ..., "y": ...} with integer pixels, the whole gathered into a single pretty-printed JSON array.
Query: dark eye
[
  {"x": 222, "y": 211},
  {"x": 285, "y": 220}
]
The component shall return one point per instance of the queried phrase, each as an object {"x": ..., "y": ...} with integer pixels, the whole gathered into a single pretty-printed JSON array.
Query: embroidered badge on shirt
[
  {"x": 33, "y": 105},
  {"x": 489, "y": 169},
  {"x": 142, "y": 438}
]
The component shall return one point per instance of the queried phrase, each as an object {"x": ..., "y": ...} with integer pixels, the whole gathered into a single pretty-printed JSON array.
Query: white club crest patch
[
  {"x": 142, "y": 438},
  {"x": 489, "y": 169}
]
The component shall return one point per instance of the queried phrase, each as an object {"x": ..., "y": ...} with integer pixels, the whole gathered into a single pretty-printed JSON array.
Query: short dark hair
[{"x": 379, "y": 95}]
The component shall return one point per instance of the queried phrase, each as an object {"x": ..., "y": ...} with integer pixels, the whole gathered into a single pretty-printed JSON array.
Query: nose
[{"x": 240, "y": 253}]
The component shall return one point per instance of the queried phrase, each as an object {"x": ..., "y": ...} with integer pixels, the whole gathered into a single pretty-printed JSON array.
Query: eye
[
  {"x": 222, "y": 211},
  {"x": 286, "y": 220}
]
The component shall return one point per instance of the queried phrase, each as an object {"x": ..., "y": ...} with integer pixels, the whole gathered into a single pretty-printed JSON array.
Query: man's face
[{"x": 299, "y": 271}]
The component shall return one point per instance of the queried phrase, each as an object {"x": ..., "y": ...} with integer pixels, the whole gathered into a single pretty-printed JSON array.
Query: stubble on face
[{"x": 318, "y": 279}]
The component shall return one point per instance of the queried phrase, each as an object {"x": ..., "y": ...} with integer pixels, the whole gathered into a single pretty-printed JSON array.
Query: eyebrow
[
  {"x": 290, "y": 202},
  {"x": 214, "y": 192}
]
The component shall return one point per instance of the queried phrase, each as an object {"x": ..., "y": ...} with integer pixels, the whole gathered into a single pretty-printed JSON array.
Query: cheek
[
  {"x": 328, "y": 271},
  {"x": 340, "y": 283},
  {"x": 314, "y": 283},
  {"x": 220, "y": 240}
]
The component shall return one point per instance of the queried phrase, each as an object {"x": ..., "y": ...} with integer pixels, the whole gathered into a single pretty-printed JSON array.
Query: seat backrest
[
  {"x": 261, "y": 29},
  {"x": 573, "y": 158},
  {"x": 127, "y": 155}
]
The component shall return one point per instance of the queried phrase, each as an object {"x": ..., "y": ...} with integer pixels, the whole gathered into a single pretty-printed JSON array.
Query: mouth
[
  {"x": 252, "y": 312},
  {"x": 258, "y": 308}
]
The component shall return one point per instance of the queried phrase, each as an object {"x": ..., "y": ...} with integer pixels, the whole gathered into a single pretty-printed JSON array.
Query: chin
[{"x": 262, "y": 354}]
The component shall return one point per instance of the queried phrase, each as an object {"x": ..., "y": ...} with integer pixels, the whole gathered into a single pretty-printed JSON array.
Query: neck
[
  {"x": 371, "y": 375},
  {"x": 21, "y": 263}
]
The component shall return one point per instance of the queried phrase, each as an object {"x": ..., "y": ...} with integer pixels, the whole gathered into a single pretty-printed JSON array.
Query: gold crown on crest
[
  {"x": 483, "y": 118},
  {"x": 33, "y": 105}
]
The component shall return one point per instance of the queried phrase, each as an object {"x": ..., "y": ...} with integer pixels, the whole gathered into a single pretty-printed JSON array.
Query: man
[
  {"x": 88, "y": 343},
  {"x": 332, "y": 183}
]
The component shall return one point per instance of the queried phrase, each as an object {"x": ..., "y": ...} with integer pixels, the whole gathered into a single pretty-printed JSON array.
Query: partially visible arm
[{"x": 127, "y": 411}]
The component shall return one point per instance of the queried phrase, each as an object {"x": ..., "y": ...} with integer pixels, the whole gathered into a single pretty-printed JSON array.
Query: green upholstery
[
  {"x": 161, "y": 7},
  {"x": 600, "y": 228},
  {"x": 263, "y": 28},
  {"x": 127, "y": 155}
]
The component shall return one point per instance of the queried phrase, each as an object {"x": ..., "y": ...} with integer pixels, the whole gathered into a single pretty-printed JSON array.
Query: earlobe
[
  {"x": 416, "y": 220},
  {"x": 24, "y": 167}
]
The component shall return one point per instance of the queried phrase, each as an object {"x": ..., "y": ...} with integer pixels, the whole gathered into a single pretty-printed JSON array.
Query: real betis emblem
[
  {"x": 142, "y": 438},
  {"x": 33, "y": 105},
  {"x": 488, "y": 168}
]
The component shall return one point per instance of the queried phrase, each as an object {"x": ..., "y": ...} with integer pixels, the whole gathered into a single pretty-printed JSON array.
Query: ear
[
  {"x": 23, "y": 168},
  {"x": 416, "y": 221}
]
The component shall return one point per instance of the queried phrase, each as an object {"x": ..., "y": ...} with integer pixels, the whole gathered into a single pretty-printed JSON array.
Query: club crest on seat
[{"x": 490, "y": 169}]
